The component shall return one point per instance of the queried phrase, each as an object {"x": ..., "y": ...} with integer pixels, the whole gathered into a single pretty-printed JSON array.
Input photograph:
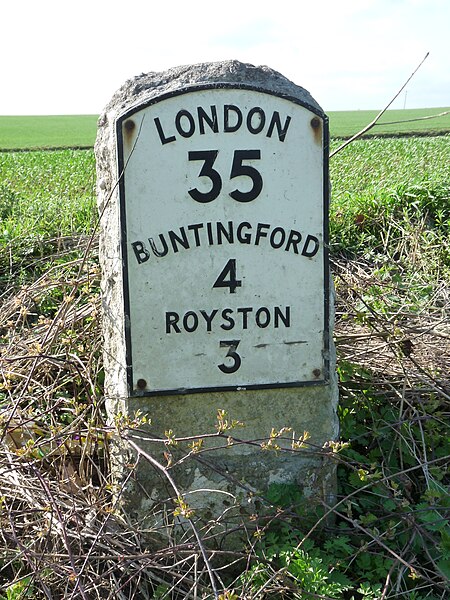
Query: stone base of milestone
[{"x": 217, "y": 302}]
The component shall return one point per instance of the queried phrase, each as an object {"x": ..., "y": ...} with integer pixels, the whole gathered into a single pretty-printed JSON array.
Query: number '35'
[{"x": 238, "y": 169}]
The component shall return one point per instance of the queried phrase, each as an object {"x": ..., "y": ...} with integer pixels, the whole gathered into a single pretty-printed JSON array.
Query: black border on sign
[{"x": 132, "y": 393}]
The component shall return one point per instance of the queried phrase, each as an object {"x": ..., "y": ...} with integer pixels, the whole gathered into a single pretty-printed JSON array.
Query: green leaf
[{"x": 444, "y": 567}]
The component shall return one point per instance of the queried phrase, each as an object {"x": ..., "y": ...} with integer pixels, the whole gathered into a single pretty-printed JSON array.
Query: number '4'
[{"x": 227, "y": 277}]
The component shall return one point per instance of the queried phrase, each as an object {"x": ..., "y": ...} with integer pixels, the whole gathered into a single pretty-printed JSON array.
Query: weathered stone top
[{"x": 144, "y": 87}]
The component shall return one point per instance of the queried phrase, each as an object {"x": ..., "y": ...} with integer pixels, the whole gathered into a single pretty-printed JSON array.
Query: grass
[
  {"x": 61, "y": 534},
  {"x": 46, "y": 194},
  {"x": 51, "y": 194},
  {"x": 377, "y": 182},
  {"x": 47, "y": 200},
  {"x": 79, "y": 131}
]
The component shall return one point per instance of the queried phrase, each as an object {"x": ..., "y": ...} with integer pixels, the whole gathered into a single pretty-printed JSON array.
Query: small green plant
[
  {"x": 19, "y": 590},
  {"x": 392, "y": 515}
]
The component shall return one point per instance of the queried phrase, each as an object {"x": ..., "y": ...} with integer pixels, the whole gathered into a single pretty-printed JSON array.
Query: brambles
[{"x": 387, "y": 536}]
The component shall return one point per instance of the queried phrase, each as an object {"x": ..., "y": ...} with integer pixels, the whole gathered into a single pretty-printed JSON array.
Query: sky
[{"x": 60, "y": 57}]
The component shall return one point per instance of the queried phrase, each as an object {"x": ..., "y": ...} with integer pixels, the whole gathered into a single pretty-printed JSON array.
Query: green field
[
  {"x": 64, "y": 131},
  {"x": 393, "y": 122},
  {"x": 79, "y": 131}
]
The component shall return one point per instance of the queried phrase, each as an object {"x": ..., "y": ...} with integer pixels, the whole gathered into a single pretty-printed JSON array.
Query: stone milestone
[{"x": 217, "y": 300}]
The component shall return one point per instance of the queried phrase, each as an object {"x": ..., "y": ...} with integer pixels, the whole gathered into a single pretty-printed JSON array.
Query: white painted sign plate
[{"x": 224, "y": 218}]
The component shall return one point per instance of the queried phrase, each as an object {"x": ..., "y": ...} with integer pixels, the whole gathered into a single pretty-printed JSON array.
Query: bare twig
[
  {"x": 170, "y": 479},
  {"x": 381, "y": 113}
]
